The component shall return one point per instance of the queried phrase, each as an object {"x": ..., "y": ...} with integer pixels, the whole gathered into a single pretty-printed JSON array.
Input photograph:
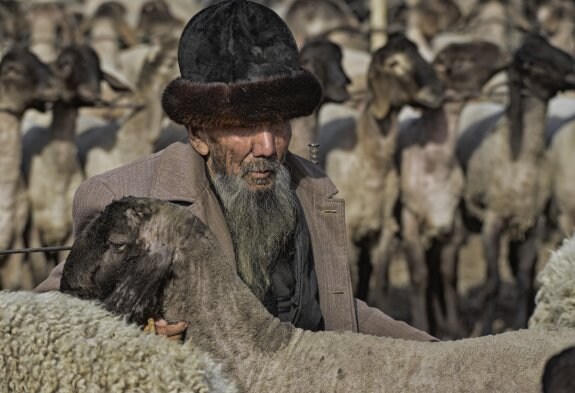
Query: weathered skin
[
  {"x": 323, "y": 59},
  {"x": 508, "y": 179},
  {"x": 139, "y": 251},
  {"x": 360, "y": 160},
  {"x": 25, "y": 83},
  {"x": 431, "y": 184}
]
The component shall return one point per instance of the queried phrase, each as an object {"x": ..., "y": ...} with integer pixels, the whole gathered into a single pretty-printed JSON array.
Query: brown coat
[{"x": 178, "y": 174}]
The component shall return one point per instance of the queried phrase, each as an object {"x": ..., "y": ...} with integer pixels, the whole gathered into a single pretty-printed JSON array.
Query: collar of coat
[{"x": 181, "y": 175}]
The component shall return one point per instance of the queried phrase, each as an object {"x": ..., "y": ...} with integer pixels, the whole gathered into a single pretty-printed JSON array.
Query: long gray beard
[{"x": 261, "y": 223}]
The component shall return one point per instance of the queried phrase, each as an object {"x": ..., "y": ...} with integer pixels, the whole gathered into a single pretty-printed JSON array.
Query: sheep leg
[
  {"x": 490, "y": 236},
  {"x": 566, "y": 224},
  {"x": 523, "y": 254},
  {"x": 415, "y": 256},
  {"x": 381, "y": 259},
  {"x": 449, "y": 270},
  {"x": 38, "y": 260}
]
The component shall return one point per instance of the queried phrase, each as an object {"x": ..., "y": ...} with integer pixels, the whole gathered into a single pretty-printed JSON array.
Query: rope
[{"x": 38, "y": 249}]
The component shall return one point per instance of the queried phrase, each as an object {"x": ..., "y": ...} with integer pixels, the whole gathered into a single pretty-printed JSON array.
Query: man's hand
[{"x": 173, "y": 332}]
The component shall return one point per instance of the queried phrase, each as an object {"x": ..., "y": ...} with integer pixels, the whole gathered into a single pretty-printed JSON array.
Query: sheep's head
[
  {"x": 558, "y": 373},
  {"x": 399, "y": 76},
  {"x": 78, "y": 67},
  {"x": 466, "y": 67},
  {"x": 311, "y": 18},
  {"x": 25, "y": 82},
  {"x": 323, "y": 58},
  {"x": 124, "y": 257},
  {"x": 542, "y": 69},
  {"x": 156, "y": 23}
]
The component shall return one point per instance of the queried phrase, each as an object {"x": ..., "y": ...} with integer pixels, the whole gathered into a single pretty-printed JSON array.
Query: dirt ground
[{"x": 470, "y": 284}]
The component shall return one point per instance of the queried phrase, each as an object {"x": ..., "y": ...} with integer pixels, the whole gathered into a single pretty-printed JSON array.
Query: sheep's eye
[{"x": 118, "y": 247}]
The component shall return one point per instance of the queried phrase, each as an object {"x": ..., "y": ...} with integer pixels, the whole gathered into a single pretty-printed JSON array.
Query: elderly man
[{"x": 274, "y": 213}]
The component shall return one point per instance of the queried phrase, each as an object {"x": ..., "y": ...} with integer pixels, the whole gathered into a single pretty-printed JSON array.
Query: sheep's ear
[
  {"x": 117, "y": 81},
  {"x": 134, "y": 215},
  {"x": 139, "y": 293}
]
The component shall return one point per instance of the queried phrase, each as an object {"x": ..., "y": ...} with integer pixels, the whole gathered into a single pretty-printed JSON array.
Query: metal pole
[
  {"x": 378, "y": 22},
  {"x": 314, "y": 152}
]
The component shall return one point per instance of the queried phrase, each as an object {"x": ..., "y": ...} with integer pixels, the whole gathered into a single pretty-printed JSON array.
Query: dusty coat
[{"x": 178, "y": 174}]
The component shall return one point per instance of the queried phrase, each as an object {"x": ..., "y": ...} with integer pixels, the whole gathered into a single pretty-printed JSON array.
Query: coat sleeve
[
  {"x": 372, "y": 321},
  {"x": 90, "y": 199}
]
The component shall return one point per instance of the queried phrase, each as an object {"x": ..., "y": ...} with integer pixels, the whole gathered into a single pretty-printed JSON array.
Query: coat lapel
[
  {"x": 181, "y": 177},
  {"x": 326, "y": 221}
]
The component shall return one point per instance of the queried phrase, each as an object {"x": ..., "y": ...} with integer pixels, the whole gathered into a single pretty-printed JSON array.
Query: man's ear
[{"x": 198, "y": 141}]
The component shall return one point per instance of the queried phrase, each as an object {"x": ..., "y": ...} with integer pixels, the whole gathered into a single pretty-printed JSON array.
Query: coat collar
[{"x": 181, "y": 175}]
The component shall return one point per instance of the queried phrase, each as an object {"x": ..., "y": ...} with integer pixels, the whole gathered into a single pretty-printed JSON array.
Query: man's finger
[{"x": 165, "y": 329}]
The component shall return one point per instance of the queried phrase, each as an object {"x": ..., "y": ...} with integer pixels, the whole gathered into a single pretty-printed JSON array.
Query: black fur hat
[{"x": 239, "y": 66}]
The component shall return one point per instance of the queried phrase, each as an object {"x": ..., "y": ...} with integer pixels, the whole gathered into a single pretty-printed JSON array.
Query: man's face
[{"x": 248, "y": 152}]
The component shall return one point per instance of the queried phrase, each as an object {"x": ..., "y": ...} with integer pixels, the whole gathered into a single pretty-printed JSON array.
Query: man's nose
[{"x": 264, "y": 143}]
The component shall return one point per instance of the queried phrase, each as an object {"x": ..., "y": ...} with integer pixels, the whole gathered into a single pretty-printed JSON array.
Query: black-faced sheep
[
  {"x": 558, "y": 375},
  {"x": 25, "y": 83},
  {"x": 359, "y": 159},
  {"x": 144, "y": 257},
  {"x": 432, "y": 183},
  {"x": 51, "y": 166},
  {"x": 53, "y": 342},
  {"x": 323, "y": 59},
  {"x": 508, "y": 181}
]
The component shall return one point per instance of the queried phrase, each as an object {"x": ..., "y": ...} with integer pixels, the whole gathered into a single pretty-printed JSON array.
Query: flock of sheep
[{"x": 461, "y": 127}]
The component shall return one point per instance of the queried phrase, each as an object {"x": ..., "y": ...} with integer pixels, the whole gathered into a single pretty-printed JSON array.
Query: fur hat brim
[{"x": 216, "y": 104}]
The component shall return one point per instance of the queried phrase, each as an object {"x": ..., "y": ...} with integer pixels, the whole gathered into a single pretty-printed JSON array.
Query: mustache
[{"x": 260, "y": 165}]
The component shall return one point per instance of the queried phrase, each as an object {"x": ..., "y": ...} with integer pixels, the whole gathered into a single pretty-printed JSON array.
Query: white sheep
[
  {"x": 144, "y": 257},
  {"x": 54, "y": 342},
  {"x": 555, "y": 299}
]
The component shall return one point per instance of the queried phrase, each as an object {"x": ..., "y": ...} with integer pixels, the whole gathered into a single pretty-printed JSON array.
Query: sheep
[
  {"x": 156, "y": 22},
  {"x": 323, "y": 59},
  {"x": 25, "y": 83},
  {"x": 360, "y": 158},
  {"x": 105, "y": 148},
  {"x": 56, "y": 342},
  {"x": 333, "y": 20},
  {"x": 431, "y": 186},
  {"x": 51, "y": 28},
  {"x": 554, "y": 305},
  {"x": 560, "y": 137},
  {"x": 558, "y": 373},
  {"x": 311, "y": 18},
  {"x": 51, "y": 166},
  {"x": 108, "y": 32},
  {"x": 12, "y": 25},
  {"x": 508, "y": 179},
  {"x": 142, "y": 257},
  {"x": 555, "y": 18},
  {"x": 426, "y": 19}
]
